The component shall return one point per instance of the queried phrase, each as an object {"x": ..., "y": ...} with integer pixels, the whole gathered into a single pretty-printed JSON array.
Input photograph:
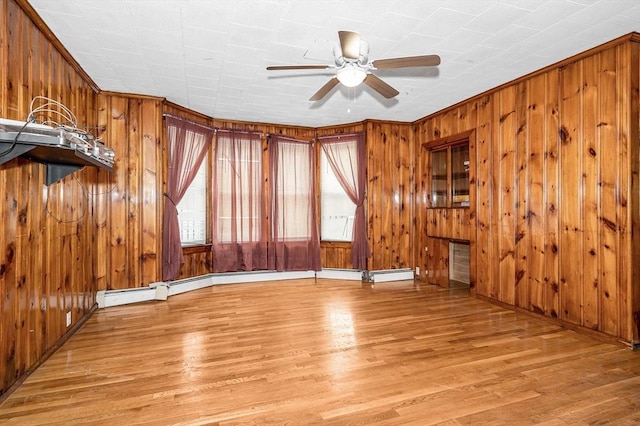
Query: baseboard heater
[
  {"x": 162, "y": 290},
  {"x": 389, "y": 275},
  {"x": 340, "y": 274}
]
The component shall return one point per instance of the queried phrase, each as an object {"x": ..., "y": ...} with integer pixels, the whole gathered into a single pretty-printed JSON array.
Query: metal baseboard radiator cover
[{"x": 389, "y": 275}]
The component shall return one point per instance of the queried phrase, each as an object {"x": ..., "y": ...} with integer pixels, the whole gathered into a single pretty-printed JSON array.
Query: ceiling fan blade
[
  {"x": 297, "y": 67},
  {"x": 380, "y": 86},
  {"x": 350, "y": 44},
  {"x": 408, "y": 61},
  {"x": 324, "y": 89}
]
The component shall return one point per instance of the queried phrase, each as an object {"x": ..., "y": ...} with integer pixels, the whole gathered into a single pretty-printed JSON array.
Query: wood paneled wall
[
  {"x": 129, "y": 208},
  {"x": 390, "y": 194},
  {"x": 47, "y": 248},
  {"x": 451, "y": 223},
  {"x": 555, "y": 194}
]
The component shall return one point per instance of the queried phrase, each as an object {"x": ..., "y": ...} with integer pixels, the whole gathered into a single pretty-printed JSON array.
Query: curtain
[
  {"x": 187, "y": 145},
  {"x": 295, "y": 237},
  {"x": 239, "y": 240},
  {"x": 347, "y": 157}
]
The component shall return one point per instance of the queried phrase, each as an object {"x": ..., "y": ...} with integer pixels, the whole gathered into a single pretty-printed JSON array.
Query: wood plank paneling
[
  {"x": 556, "y": 160},
  {"x": 336, "y": 255},
  {"x": 46, "y": 241},
  {"x": 571, "y": 229},
  {"x": 551, "y": 190},
  {"x": 506, "y": 163},
  {"x": 390, "y": 191},
  {"x": 590, "y": 178},
  {"x": 131, "y": 226},
  {"x": 628, "y": 135},
  {"x": 608, "y": 134},
  {"x": 437, "y": 266},
  {"x": 522, "y": 196},
  {"x": 534, "y": 214},
  {"x": 633, "y": 256},
  {"x": 451, "y": 223},
  {"x": 484, "y": 201}
]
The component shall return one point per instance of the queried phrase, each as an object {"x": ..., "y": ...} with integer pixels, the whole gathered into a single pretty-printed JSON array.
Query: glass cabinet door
[
  {"x": 449, "y": 176},
  {"x": 439, "y": 178},
  {"x": 460, "y": 176}
]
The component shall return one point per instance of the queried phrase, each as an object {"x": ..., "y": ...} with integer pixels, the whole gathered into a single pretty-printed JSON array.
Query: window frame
[
  {"x": 191, "y": 246},
  {"x": 321, "y": 154}
]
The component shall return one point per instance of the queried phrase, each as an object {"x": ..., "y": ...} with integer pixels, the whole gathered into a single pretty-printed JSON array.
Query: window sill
[
  {"x": 196, "y": 248},
  {"x": 336, "y": 244}
]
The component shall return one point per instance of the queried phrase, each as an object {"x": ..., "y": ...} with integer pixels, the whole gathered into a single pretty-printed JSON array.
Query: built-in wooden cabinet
[{"x": 448, "y": 193}]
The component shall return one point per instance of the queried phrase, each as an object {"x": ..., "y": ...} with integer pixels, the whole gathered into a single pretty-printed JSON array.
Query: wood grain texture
[
  {"x": 556, "y": 155},
  {"x": 328, "y": 352},
  {"x": 390, "y": 192},
  {"x": 47, "y": 251},
  {"x": 130, "y": 223},
  {"x": 451, "y": 223}
]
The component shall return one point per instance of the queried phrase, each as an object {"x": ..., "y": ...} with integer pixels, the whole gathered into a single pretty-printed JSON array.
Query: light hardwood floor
[{"x": 329, "y": 352}]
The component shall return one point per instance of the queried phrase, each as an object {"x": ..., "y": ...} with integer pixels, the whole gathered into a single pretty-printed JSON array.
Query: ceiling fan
[{"x": 353, "y": 66}]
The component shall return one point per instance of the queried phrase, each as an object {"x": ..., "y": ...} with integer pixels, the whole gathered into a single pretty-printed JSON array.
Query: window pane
[
  {"x": 192, "y": 209},
  {"x": 439, "y": 178},
  {"x": 460, "y": 176},
  {"x": 239, "y": 189},
  {"x": 337, "y": 210},
  {"x": 294, "y": 192}
]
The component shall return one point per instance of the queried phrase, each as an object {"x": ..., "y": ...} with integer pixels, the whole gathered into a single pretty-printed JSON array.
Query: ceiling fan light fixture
[{"x": 351, "y": 76}]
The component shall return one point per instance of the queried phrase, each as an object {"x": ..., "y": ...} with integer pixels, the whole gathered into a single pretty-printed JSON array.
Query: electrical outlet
[
  {"x": 417, "y": 270},
  {"x": 68, "y": 318}
]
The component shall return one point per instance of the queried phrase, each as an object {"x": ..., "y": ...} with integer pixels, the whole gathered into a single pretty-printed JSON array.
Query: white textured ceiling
[{"x": 211, "y": 55}]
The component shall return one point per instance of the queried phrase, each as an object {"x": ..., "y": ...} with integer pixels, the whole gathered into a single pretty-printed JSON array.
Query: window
[
  {"x": 192, "y": 209},
  {"x": 337, "y": 211},
  {"x": 293, "y": 192},
  {"x": 238, "y": 191}
]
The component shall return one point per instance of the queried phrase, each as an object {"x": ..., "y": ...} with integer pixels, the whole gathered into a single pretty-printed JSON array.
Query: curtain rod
[
  {"x": 195, "y": 123},
  {"x": 269, "y": 135},
  {"x": 340, "y": 135},
  {"x": 219, "y": 129},
  {"x": 206, "y": 126}
]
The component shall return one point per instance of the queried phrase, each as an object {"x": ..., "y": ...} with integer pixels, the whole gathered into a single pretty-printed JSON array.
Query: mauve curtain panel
[
  {"x": 347, "y": 157},
  {"x": 295, "y": 237},
  {"x": 187, "y": 145}
]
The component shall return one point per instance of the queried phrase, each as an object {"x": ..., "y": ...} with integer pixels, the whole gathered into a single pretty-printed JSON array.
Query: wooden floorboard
[{"x": 327, "y": 352}]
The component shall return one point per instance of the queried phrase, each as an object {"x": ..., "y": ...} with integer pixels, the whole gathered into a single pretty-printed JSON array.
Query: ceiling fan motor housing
[{"x": 363, "y": 56}]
